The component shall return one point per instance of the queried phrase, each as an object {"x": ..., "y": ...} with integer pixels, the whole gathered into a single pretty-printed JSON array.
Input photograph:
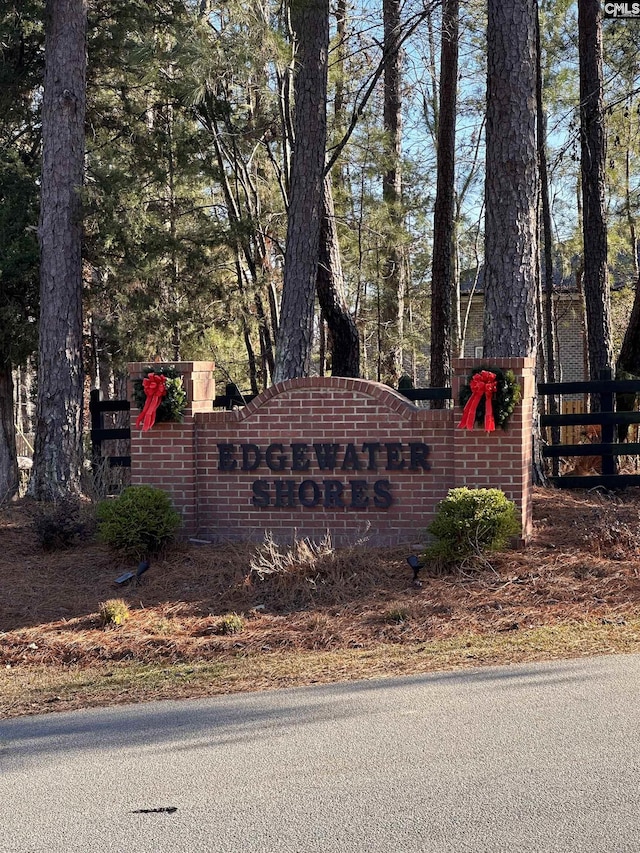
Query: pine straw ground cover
[{"x": 326, "y": 615}]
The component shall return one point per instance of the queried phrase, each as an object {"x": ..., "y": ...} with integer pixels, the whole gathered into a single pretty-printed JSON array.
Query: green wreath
[
  {"x": 506, "y": 398},
  {"x": 173, "y": 403}
]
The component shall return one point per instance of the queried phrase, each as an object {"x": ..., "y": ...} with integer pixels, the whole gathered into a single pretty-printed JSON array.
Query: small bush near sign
[
  {"x": 469, "y": 522},
  {"x": 140, "y": 522}
]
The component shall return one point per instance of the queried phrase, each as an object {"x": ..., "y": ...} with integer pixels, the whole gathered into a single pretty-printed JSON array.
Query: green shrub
[
  {"x": 397, "y": 616},
  {"x": 469, "y": 522},
  {"x": 139, "y": 522},
  {"x": 115, "y": 611},
  {"x": 64, "y": 523},
  {"x": 231, "y": 623}
]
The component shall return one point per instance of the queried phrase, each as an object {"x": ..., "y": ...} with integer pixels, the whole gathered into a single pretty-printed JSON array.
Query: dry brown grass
[{"x": 323, "y": 616}]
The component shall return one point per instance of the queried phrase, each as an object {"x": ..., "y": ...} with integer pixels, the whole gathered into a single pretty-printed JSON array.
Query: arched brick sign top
[
  {"x": 317, "y": 385},
  {"x": 319, "y": 454}
]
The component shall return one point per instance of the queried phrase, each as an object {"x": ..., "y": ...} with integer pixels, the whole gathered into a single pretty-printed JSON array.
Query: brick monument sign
[{"x": 322, "y": 454}]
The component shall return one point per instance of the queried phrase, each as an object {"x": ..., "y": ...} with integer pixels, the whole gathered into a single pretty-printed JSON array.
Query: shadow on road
[{"x": 246, "y": 717}]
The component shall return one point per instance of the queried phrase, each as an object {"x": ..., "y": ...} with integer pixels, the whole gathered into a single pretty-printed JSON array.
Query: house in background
[
  {"x": 568, "y": 309},
  {"x": 570, "y": 332},
  {"x": 572, "y": 363}
]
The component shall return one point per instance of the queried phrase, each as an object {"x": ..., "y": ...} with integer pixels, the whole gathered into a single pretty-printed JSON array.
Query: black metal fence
[
  {"x": 101, "y": 434},
  {"x": 231, "y": 398},
  {"x": 604, "y": 443},
  {"x": 417, "y": 395}
]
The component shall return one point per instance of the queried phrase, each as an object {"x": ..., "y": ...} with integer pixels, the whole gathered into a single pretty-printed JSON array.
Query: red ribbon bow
[
  {"x": 155, "y": 387},
  {"x": 483, "y": 384}
]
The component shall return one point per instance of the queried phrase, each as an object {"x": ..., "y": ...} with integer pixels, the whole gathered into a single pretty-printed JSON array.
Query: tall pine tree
[{"x": 57, "y": 461}]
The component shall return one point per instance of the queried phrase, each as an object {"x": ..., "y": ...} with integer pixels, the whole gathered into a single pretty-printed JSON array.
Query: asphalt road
[{"x": 525, "y": 758}]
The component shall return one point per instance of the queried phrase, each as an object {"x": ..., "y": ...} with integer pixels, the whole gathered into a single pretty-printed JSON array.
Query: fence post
[
  {"x": 97, "y": 423},
  {"x": 607, "y": 404}
]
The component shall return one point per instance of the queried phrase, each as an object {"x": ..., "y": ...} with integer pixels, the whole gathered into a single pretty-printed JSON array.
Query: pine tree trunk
[
  {"x": 393, "y": 276},
  {"x": 511, "y": 181},
  {"x": 547, "y": 366},
  {"x": 58, "y": 429},
  {"x": 345, "y": 341},
  {"x": 310, "y": 23},
  {"x": 8, "y": 455},
  {"x": 592, "y": 165},
  {"x": 444, "y": 211},
  {"x": 547, "y": 233}
]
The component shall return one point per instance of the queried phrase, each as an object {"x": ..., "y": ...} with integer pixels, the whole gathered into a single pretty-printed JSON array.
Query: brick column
[
  {"x": 165, "y": 455},
  {"x": 501, "y": 459}
]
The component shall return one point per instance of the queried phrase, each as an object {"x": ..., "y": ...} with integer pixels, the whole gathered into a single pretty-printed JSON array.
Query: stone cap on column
[{"x": 519, "y": 365}]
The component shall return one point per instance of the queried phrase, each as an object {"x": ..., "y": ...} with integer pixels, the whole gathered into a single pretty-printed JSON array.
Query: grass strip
[{"x": 34, "y": 690}]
